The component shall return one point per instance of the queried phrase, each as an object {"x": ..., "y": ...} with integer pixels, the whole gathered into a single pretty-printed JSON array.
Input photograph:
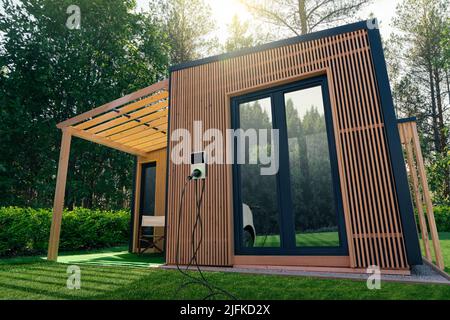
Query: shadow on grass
[
  {"x": 115, "y": 259},
  {"x": 47, "y": 280}
]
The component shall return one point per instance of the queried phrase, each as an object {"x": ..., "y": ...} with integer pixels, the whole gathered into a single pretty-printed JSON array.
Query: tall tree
[
  {"x": 419, "y": 56},
  {"x": 51, "y": 73},
  {"x": 304, "y": 16},
  {"x": 239, "y": 35},
  {"x": 418, "y": 70},
  {"x": 188, "y": 25}
]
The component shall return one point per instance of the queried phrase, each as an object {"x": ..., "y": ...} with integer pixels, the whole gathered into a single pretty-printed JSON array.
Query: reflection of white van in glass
[{"x": 249, "y": 228}]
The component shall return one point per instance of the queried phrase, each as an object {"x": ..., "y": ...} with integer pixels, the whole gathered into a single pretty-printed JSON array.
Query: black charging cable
[{"x": 202, "y": 281}]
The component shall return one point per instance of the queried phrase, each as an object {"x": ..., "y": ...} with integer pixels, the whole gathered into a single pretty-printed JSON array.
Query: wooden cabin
[{"x": 340, "y": 198}]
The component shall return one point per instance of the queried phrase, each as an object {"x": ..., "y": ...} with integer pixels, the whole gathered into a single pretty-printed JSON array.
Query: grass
[
  {"x": 313, "y": 239},
  {"x": 445, "y": 248},
  {"x": 35, "y": 278},
  {"x": 119, "y": 258},
  {"x": 47, "y": 280},
  {"x": 27, "y": 259}
]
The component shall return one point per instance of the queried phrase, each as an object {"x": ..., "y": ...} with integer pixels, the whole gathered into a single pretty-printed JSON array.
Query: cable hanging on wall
[{"x": 213, "y": 291}]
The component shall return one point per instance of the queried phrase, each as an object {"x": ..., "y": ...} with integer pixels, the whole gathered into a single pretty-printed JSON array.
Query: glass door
[
  {"x": 147, "y": 196},
  {"x": 297, "y": 210},
  {"x": 258, "y": 193}
]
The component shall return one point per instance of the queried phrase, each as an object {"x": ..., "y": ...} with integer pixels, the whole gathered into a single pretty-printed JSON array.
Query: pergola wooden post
[
  {"x": 58, "y": 203},
  {"x": 410, "y": 140},
  {"x": 136, "y": 124}
]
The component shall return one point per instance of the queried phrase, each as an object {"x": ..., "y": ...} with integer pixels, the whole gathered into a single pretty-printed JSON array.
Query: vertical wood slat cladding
[{"x": 371, "y": 210}]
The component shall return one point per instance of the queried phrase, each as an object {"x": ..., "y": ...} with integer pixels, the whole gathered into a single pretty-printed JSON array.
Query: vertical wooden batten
[
  {"x": 58, "y": 204},
  {"x": 416, "y": 168}
]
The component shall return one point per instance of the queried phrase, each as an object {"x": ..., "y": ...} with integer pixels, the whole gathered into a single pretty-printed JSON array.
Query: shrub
[
  {"x": 441, "y": 216},
  {"x": 26, "y": 230}
]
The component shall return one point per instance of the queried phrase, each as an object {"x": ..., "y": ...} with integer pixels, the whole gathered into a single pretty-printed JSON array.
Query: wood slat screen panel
[
  {"x": 409, "y": 138},
  {"x": 371, "y": 210}
]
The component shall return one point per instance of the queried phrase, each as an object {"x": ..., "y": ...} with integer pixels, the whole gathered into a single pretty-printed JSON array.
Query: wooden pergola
[{"x": 136, "y": 124}]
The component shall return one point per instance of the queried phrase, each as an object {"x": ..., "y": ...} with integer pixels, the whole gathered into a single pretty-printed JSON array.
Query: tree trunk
[
  {"x": 302, "y": 13},
  {"x": 443, "y": 137},
  {"x": 448, "y": 85},
  {"x": 433, "y": 110},
  {"x": 442, "y": 130}
]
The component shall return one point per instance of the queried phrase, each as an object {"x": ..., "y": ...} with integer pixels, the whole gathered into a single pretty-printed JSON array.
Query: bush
[
  {"x": 26, "y": 231},
  {"x": 441, "y": 216}
]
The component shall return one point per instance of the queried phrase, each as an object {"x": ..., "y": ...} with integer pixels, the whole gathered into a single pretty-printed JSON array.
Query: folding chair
[{"x": 150, "y": 241}]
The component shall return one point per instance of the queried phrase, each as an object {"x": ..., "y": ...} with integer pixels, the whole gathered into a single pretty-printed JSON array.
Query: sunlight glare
[{"x": 223, "y": 12}]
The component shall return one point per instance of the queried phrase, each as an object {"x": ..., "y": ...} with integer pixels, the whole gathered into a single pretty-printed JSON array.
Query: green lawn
[
  {"x": 33, "y": 278},
  {"x": 313, "y": 239},
  {"x": 47, "y": 280},
  {"x": 120, "y": 257},
  {"x": 445, "y": 247}
]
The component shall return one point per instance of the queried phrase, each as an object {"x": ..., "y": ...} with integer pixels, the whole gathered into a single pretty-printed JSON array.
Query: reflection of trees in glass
[
  {"x": 258, "y": 192},
  {"x": 311, "y": 183}
]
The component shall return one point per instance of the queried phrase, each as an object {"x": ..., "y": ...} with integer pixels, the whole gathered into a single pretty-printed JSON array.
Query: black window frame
[{"x": 286, "y": 218}]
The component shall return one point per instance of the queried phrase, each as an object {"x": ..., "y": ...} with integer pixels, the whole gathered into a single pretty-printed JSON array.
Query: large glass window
[
  {"x": 312, "y": 193},
  {"x": 296, "y": 210},
  {"x": 258, "y": 192}
]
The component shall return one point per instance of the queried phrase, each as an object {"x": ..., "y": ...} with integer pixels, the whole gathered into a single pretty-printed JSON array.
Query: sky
[{"x": 224, "y": 10}]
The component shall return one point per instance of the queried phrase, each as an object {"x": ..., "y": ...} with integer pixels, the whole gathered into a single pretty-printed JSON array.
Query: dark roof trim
[
  {"x": 410, "y": 119},
  {"x": 397, "y": 160},
  {"x": 362, "y": 25}
]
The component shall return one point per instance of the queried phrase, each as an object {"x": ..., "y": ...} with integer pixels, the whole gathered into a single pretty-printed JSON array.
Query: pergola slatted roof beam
[
  {"x": 130, "y": 124},
  {"x": 162, "y": 85},
  {"x": 135, "y": 116},
  {"x": 106, "y": 142},
  {"x": 124, "y": 111}
]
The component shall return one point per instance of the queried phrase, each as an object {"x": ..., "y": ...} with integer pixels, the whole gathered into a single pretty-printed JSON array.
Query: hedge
[
  {"x": 442, "y": 217},
  {"x": 25, "y": 231}
]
